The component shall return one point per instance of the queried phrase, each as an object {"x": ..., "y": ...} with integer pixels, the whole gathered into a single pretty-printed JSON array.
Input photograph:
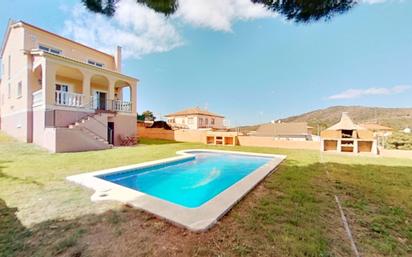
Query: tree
[
  {"x": 308, "y": 10},
  {"x": 167, "y": 7},
  {"x": 297, "y": 10},
  {"x": 146, "y": 116},
  {"x": 108, "y": 7},
  {"x": 399, "y": 140}
]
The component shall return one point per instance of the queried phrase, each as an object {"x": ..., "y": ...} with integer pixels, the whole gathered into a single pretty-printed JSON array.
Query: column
[
  {"x": 339, "y": 146},
  {"x": 375, "y": 149},
  {"x": 112, "y": 83},
  {"x": 355, "y": 146},
  {"x": 49, "y": 83},
  {"x": 133, "y": 96},
  {"x": 87, "y": 100}
]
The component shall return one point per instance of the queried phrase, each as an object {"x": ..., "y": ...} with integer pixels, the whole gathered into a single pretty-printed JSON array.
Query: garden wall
[
  {"x": 396, "y": 153},
  {"x": 196, "y": 136},
  {"x": 270, "y": 142},
  {"x": 199, "y": 136},
  {"x": 155, "y": 133}
]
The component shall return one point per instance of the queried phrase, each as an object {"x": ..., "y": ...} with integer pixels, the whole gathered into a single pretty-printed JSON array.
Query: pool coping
[{"x": 195, "y": 219}]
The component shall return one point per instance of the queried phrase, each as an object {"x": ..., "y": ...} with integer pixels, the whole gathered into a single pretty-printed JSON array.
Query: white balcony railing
[
  {"x": 69, "y": 99},
  {"x": 122, "y": 106},
  {"x": 111, "y": 105},
  {"x": 37, "y": 97}
]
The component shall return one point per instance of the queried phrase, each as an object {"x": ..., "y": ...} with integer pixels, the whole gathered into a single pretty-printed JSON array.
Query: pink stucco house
[
  {"x": 62, "y": 95},
  {"x": 196, "y": 118}
]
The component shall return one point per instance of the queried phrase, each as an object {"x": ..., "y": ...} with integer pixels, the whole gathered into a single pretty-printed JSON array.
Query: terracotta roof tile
[{"x": 194, "y": 111}]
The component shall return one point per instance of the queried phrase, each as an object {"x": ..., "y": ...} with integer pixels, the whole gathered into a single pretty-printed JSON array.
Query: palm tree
[{"x": 296, "y": 10}]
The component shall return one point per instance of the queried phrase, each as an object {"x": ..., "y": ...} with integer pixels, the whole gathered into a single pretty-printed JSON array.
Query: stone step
[{"x": 78, "y": 124}]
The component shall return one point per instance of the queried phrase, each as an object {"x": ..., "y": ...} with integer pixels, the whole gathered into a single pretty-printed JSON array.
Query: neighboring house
[
  {"x": 293, "y": 131},
  {"x": 345, "y": 136},
  {"x": 63, "y": 95},
  {"x": 406, "y": 130},
  {"x": 378, "y": 130},
  {"x": 196, "y": 118}
]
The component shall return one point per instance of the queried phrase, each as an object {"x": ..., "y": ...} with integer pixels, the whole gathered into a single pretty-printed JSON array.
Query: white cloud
[
  {"x": 219, "y": 14},
  {"x": 378, "y": 1},
  {"x": 137, "y": 28},
  {"x": 356, "y": 93},
  {"x": 373, "y": 1},
  {"x": 140, "y": 30}
]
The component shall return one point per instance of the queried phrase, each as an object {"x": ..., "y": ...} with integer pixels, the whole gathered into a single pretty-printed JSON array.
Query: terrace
[{"x": 67, "y": 83}]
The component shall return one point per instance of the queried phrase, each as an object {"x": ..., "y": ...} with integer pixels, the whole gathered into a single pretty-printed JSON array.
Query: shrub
[{"x": 399, "y": 140}]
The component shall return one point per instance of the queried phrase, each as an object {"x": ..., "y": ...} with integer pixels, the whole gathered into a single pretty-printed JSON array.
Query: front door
[{"x": 110, "y": 132}]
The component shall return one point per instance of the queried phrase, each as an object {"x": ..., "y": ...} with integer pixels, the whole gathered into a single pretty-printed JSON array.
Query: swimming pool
[
  {"x": 193, "y": 190},
  {"x": 190, "y": 182}
]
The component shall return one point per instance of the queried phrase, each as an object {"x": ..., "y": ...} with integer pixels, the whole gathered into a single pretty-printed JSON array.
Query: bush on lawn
[{"x": 399, "y": 140}]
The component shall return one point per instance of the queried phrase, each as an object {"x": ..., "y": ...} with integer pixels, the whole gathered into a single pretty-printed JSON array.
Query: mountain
[{"x": 397, "y": 118}]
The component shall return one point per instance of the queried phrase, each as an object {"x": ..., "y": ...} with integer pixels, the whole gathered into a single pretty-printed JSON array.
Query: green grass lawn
[{"x": 292, "y": 213}]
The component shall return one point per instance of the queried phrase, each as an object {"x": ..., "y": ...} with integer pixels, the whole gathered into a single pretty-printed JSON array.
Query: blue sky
[{"x": 249, "y": 66}]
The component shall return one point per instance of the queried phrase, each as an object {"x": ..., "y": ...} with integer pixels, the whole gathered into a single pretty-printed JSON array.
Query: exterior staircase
[{"x": 94, "y": 127}]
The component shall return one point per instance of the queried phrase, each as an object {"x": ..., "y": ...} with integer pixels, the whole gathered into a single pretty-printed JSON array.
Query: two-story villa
[
  {"x": 63, "y": 95},
  {"x": 196, "y": 118}
]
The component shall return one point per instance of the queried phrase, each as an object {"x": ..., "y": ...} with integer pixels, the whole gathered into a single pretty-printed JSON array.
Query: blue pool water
[{"x": 190, "y": 182}]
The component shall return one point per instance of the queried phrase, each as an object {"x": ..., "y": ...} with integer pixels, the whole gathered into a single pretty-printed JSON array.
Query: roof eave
[
  {"x": 65, "y": 38},
  {"x": 188, "y": 114},
  {"x": 6, "y": 36},
  {"x": 54, "y": 56}
]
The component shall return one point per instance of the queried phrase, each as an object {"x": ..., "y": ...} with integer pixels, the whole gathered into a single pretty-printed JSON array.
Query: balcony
[
  {"x": 69, "y": 99},
  {"x": 37, "y": 98},
  {"x": 121, "y": 106},
  {"x": 77, "y": 100},
  {"x": 110, "y": 105}
]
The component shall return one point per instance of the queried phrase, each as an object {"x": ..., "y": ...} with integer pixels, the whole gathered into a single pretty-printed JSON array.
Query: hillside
[{"x": 396, "y": 118}]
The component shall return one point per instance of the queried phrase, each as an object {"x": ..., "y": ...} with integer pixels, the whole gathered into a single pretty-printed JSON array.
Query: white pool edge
[{"x": 195, "y": 219}]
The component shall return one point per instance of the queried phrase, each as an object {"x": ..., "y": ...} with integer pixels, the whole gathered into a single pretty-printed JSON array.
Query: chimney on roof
[{"x": 118, "y": 59}]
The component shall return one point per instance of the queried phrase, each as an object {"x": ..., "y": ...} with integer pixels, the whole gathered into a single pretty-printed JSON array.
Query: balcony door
[
  {"x": 100, "y": 100},
  {"x": 62, "y": 94}
]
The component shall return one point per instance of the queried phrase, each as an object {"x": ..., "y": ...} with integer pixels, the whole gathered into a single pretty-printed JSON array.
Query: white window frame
[
  {"x": 61, "y": 85},
  {"x": 94, "y": 63},
  {"x": 19, "y": 89},
  {"x": 50, "y": 49},
  {"x": 9, "y": 90},
  {"x": 212, "y": 121}
]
